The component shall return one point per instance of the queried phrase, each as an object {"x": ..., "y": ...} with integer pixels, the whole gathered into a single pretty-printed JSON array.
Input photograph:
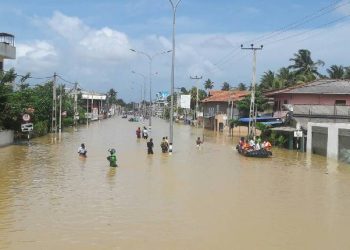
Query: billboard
[
  {"x": 185, "y": 101},
  {"x": 162, "y": 95}
]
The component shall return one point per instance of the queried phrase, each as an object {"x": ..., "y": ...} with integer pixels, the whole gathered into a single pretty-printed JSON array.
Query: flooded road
[{"x": 211, "y": 198}]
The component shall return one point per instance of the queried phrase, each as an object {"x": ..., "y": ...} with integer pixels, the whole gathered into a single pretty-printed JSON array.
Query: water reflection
[{"x": 210, "y": 198}]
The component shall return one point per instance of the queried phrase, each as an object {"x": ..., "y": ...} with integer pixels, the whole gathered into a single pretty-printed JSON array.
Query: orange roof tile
[{"x": 225, "y": 96}]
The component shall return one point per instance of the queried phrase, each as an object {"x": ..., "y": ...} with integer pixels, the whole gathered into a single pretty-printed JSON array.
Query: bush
[
  {"x": 41, "y": 128},
  {"x": 68, "y": 121}
]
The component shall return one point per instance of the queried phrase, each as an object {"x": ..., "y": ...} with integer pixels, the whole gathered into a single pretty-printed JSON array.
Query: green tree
[
  {"x": 267, "y": 80},
  {"x": 112, "y": 96},
  {"x": 285, "y": 77},
  {"x": 336, "y": 72},
  {"x": 260, "y": 101},
  {"x": 208, "y": 84},
  {"x": 225, "y": 86},
  {"x": 304, "y": 65},
  {"x": 347, "y": 73},
  {"x": 201, "y": 95},
  {"x": 241, "y": 86}
]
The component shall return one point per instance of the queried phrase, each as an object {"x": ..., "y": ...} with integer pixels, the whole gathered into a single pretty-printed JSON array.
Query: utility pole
[
  {"x": 54, "y": 105},
  {"x": 60, "y": 121},
  {"x": 196, "y": 78},
  {"x": 253, "y": 108},
  {"x": 75, "y": 104}
]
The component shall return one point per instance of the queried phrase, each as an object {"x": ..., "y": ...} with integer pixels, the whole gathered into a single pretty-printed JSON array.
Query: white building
[{"x": 7, "y": 48}]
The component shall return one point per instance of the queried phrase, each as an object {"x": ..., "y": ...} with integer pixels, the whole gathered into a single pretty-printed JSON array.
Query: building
[
  {"x": 220, "y": 106},
  {"x": 95, "y": 104},
  {"x": 323, "y": 100},
  {"x": 7, "y": 48},
  {"x": 329, "y": 139}
]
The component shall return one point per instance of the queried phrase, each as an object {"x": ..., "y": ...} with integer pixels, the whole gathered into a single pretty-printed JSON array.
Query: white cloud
[
  {"x": 99, "y": 58},
  {"x": 35, "y": 57}
]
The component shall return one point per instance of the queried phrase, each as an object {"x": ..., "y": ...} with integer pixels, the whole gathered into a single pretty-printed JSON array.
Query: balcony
[{"x": 7, "y": 46}]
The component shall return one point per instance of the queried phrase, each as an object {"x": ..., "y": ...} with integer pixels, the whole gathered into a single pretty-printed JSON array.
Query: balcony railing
[{"x": 7, "y": 38}]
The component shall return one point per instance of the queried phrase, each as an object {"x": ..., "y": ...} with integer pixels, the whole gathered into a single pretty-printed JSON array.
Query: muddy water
[{"x": 194, "y": 199}]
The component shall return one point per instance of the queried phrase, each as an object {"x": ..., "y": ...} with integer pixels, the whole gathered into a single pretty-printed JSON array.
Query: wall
[
  {"x": 6, "y": 137},
  {"x": 333, "y": 132},
  {"x": 311, "y": 99}
]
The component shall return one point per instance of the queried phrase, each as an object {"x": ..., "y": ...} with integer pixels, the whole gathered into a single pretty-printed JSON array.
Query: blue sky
[{"x": 88, "y": 41}]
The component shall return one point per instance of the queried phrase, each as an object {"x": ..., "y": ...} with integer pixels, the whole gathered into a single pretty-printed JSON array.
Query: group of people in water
[
  {"x": 144, "y": 133},
  {"x": 249, "y": 145},
  {"x": 112, "y": 158}
]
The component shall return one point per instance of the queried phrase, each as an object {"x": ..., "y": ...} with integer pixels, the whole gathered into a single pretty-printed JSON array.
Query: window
[
  {"x": 285, "y": 102},
  {"x": 340, "y": 102}
]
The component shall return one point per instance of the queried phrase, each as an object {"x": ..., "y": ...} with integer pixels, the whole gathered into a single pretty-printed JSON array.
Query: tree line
[{"x": 21, "y": 98}]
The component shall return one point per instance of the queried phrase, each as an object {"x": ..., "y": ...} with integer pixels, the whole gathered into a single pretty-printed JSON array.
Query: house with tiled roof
[
  {"x": 220, "y": 106},
  {"x": 323, "y": 100}
]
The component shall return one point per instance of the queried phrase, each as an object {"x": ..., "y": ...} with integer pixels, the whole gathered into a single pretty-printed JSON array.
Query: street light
[
  {"x": 174, "y": 7},
  {"x": 144, "y": 87},
  {"x": 150, "y": 59}
]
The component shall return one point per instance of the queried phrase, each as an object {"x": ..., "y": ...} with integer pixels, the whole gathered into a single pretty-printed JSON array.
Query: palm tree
[
  {"x": 347, "y": 73},
  {"x": 336, "y": 72},
  {"x": 242, "y": 86},
  {"x": 304, "y": 65},
  {"x": 267, "y": 80},
  {"x": 208, "y": 84},
  {"x": 225, "y": 86},
  {"x": 285, "y": 77}
]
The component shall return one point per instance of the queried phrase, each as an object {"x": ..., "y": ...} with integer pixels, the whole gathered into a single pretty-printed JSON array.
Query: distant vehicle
[{"x": 124, "y": 116}]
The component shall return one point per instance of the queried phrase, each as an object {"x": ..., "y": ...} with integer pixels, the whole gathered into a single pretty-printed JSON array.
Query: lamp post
[
  {"x": 144, "y": 88},
  {"x": 150, "y": 60},
  {"x": 171, "y": 136}
]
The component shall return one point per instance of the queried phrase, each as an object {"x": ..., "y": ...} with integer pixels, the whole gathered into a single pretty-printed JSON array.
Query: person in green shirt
[{"x": 112, "y": 158}]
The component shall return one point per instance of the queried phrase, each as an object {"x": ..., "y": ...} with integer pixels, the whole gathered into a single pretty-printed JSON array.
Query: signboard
[
  {"x": 162, "y": 96},
  {"x": 26, "y": 117},
  {"x": 27, "y": 127},
  {"x": 298, "y": 133},
  {"x": 185, "y": 101}
]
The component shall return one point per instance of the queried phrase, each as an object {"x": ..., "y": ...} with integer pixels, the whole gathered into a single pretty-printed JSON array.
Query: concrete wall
[
  {"x": 321, "y": 99},
  {"x": 7, "y": 51},
  {"x": 333, "y": 131},
  {"x": 6, "y": 137}
]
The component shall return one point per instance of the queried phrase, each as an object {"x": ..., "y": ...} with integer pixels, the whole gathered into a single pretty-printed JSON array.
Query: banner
[{"x": 185, "y": 101}]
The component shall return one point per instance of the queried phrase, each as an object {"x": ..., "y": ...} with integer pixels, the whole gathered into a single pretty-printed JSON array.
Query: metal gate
[
  {"x": 344, "y": 145},
  {"x": 319, "y": 140}
]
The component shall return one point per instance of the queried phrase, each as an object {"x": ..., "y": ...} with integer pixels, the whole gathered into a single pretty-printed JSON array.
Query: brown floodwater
[{"x": 210, "y": 198}]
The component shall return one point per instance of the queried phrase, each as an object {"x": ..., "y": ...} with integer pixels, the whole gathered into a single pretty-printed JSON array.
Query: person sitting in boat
[
  {"x": 112, "y": 158},
  {"x": 267, "y": 145},
  {"x": 252, "y": 143},
  {"x": 246, "y": 146},
  {"x": 82, "y": 150},
  {"x": 241, "y": 143}
]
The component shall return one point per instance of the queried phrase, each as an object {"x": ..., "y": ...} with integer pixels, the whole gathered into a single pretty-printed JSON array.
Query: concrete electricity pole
[
  {"x": 196, "y": 78},
  {"x": 252, "y": 109},
  {"x": 75, "y": 104},
  {"x": 54, "y": 105},
  {"x": 60, "y": 121}
]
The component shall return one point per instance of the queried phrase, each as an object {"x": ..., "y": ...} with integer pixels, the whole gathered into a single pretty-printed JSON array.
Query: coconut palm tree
[
  {"x": 285, "y": 77},
  {"x": 208, "y": 84},
  {"x": 336, "y": 72},
  {"x": 347, "y": 73},
  {"x": 267, "y": 81},
  {"x": 225, "y": 86},
  {"x": 304, "y": 65},
  {"x": 241, "y": 86}
]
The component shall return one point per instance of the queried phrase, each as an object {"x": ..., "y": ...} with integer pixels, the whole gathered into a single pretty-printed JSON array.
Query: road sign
[
  {"x": 298, "y": 133},
  {"x": 26, "y": 117},
  {"x": 27, "y": 127}
]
